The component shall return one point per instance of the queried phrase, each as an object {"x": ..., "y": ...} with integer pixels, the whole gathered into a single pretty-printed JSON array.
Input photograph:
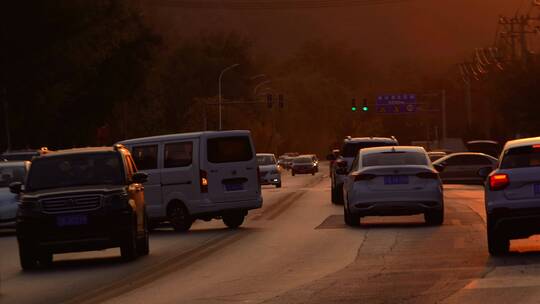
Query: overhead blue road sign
[{"x": 396, "y": 103}]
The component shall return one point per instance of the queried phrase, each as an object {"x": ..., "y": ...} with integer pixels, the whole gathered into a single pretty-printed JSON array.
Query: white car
[
  {"x": 512, "y": 194},
  {"x": 393, "y": 181},
  {"x": 269, "y": 170},
  {"x": 10, "y": 171},
  {"x": 202, "y": 175}
]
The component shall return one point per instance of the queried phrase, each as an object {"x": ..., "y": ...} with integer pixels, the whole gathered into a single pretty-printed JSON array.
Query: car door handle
[{"x": 213, "y": 171}]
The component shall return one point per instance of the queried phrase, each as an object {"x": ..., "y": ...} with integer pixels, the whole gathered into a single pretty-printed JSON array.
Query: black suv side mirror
[
  {"x": 140, "y": 178},
  {"x": 15, "y": 187},
  {"x": 439, "y": 167},
  {"x": 484, "y": 172}
]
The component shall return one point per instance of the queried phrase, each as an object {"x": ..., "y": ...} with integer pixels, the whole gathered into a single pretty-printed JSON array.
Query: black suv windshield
[
  {"x": 75, "y": 170},
  {"x": 351, "y": 149}
]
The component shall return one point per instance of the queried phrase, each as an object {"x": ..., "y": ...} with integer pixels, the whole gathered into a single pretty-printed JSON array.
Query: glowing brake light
[
  {"x": 203, "y": 181},
  {"x": 498, "y": 181}
]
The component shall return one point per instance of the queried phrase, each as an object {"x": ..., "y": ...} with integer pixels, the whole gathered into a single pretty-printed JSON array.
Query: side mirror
[
  {"x": 140, "y": 178},
  {"x": 15, "y": 187},
  {"x": 439, "y": 167},
  {"x": 484, "y": 172},
  {"x": 331, "y": 157}
]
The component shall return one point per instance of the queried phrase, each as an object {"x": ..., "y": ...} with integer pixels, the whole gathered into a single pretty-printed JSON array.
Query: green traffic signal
[
  {"x": 353, "y": 108},
  {"x": 365, "y": 108}
]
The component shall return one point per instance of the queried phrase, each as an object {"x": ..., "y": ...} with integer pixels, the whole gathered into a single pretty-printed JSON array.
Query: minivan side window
[
  {"x": 178, "y": 154},
  {"x": 146, "y": 157},
  {"x": 229, "y": 149}
]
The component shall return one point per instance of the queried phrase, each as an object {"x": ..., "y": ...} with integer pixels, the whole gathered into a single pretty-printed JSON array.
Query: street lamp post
[{"x": 219, "y": 89}]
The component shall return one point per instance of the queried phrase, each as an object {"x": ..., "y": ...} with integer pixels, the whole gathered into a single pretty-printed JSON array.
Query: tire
[
  {"x": 497, "y": 245},
  {"x": 339, "y": 195},
  {"x": 233, "y": 220},
  {"x": 179, "y": 217},
  {"x": 143, "y": 244},
  {"x": 351, "y": 220},
  {"x": 27, "y": 258},
  {"x": 128, "y": 249},
  {"x": 434, "y": 218},
  {"x": 333, "y": 194},
  {"x": 278, "y": 185}
]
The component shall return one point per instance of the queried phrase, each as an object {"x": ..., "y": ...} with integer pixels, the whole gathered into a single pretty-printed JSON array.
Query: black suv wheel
[{"x": 27, "y": 256}]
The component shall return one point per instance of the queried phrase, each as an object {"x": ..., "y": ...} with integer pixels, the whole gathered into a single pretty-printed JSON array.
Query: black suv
[{"x": 80, "y": 200}]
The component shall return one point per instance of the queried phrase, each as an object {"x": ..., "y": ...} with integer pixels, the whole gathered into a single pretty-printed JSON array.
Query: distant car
[
  {"x": 23, "y": 155},
  {"x": 268, "y": 169},
  {"x": 489, "y": 147},
  {"x": 303, "y": 165},
  {"x": 393, "y": 181},
  {"x": 512, "y": 195},
  {"x": 79, "y": 200},
  {"x": 315, "y": 160},
  {"x": 463, "y": 168},
  {"x": 285, "y": 162},
  {"x": 435, "y": 155},
  {"x": 343, "y": 163},
  {"x": 10, "y": 172}
]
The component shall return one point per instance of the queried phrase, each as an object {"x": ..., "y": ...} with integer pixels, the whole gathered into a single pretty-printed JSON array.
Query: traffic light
[
  {"x": 353, "y": 105},
  {"x": 281, "y": 101},
  {"x": 365, "y": 106},
  {"x": 269, "y": 100}
]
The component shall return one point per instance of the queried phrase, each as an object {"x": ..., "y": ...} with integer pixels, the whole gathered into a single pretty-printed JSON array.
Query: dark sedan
[{"x": 462, "y": 168}]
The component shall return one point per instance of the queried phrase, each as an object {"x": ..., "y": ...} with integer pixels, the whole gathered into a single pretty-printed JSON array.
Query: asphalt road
[{"x": 296, "y": 249}]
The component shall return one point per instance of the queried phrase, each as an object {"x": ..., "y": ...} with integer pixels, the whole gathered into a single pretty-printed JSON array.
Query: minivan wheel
[
  {"x": 128, "y": 249},
  {"x": 233, "y": 220},
  {"x": 179, "y": 217},
  {"x": 434, "y": 218},
  {"x": 26, "y": 256}
]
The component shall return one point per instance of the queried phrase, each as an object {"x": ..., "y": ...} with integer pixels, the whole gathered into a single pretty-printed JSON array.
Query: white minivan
[{"x": 202, "y": 175}]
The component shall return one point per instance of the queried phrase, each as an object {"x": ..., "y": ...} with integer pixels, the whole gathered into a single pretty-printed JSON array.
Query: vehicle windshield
[
  {"x": 264, "y": 160},
  {"x": 302, "y": 160},
  {"x": 10, "y": 173},
  {"x": 75, "y": 170},
  {"x": 521, "y": 157},
  {"x": 394, "y": 159},
  {"x": 351, "y": 149}
]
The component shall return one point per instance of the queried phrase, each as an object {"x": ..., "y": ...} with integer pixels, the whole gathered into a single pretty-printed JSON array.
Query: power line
[{"x": 268, "y": 4}]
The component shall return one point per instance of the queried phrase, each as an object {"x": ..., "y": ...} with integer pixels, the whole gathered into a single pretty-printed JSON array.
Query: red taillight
[
  {"x": 364, "y": 177},
  {"x": 498, "y": 181},
  {"x": 428, "y": 175},
  {"x": 203, "y": 180}
]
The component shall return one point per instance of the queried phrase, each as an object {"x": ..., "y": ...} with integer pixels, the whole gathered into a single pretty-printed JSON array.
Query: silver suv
[
  {"x": 512, "y": 195},
  {"x": 342, "y": 164}
]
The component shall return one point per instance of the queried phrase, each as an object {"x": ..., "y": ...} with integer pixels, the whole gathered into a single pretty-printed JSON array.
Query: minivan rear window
[
  {"x": 521, "y": 157},
  {"x": 229, "y": 149}
]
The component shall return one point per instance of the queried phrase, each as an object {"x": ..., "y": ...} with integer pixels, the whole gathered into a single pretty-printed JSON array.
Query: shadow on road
[{"x": 7, "y": 232}]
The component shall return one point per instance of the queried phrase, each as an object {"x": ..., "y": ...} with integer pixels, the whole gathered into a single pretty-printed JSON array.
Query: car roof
[
  {"x": 437, "y": 153},
  {"x": 177, "y": 136},
  {"x": 369, "y": 139},
  {"x": 522, "y": 142},
  {"x": 483, "y": 141},
  {"x": 465, "y": 153},
  {"x": 392, "y": 149},
  {"x": 265, "y": 154},
  {"x": 79, "y": 151}
]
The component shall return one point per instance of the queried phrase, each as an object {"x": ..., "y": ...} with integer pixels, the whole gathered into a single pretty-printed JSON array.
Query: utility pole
[{"x": 219, "y": 89}]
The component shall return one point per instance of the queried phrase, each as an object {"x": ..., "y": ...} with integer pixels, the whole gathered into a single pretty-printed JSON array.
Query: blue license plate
[
  {"x": 71, "y": 220},
  {"x": 234, "y": 187},
  {"x": 396, "y": 180},
  {"x": 536, "y": 189}
]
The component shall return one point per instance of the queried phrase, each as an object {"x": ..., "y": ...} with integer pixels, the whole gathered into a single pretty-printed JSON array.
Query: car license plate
[
  {"x": 536, "y": 189},
  {"x": 234, "y": 187},
  {"x": 396, "y": 180},
  {"x": 71, "y": 220}
]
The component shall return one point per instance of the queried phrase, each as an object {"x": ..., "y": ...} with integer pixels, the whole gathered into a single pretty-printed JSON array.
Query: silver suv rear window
[
  {"x": 521, "y": 157},
  {"x": 229, "y": 149},
  {"x": 394, "y": 159}
]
